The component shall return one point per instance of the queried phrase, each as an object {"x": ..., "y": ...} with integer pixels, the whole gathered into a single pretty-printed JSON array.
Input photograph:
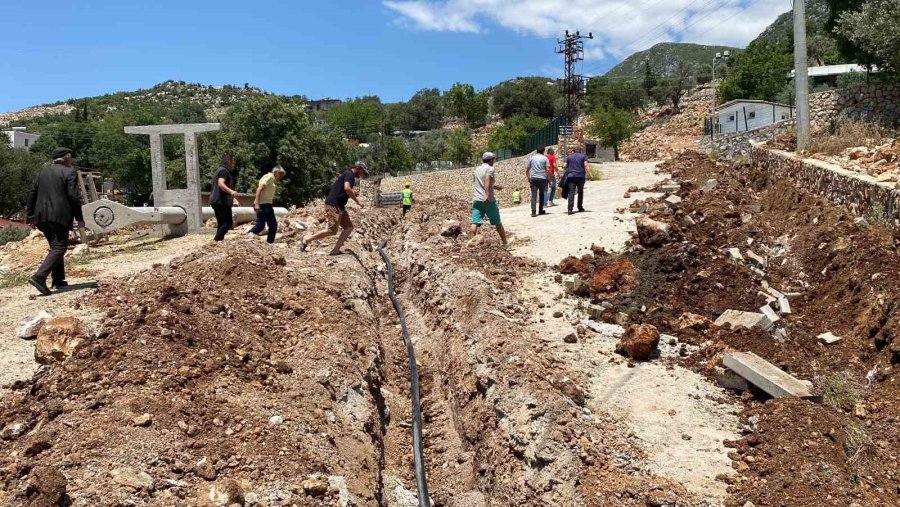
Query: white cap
[{"x": 488, "y": 156}]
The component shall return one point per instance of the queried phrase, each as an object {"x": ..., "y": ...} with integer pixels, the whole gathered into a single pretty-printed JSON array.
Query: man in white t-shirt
[{"x": 484, "y": 204}]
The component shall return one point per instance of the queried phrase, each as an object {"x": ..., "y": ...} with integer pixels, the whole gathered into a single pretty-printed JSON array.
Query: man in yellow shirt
[
  {"x": 265, "y": 213},
  {"x": 407, "y": 195}
]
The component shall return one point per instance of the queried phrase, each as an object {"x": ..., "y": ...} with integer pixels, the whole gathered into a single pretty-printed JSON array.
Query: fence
[{"x": 547, "y": 136}]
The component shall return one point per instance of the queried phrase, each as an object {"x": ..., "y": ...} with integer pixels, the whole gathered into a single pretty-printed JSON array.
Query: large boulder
[
  {"x": 58, "y": 339},
  {"x": 639, "y": 342},
  {"x": 651, "y": 233},
  {"x": 451, "y": 229},
  {"x": 30, "y": 327}
]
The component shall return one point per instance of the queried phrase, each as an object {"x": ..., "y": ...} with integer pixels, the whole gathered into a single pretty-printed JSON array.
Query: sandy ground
[
  {"x": 667, "y": 411},
  {"x": 107, "y": 264},
  {"x": 555, "y": 235}
]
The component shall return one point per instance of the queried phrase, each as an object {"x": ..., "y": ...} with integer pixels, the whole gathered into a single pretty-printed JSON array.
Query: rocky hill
[{"x": 664, "y": 56}]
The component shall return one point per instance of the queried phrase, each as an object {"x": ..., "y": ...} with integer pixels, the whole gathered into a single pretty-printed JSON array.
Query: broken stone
[
  {"x": 315, "y": 485},
  {"x": 747, "y": 320},
  {"x": 862, "y": 222},
  {"x": 784, "y": 306},
  {"x": 639, "y": 342},
  {"x": 693, "y": 321},
  {"x": 58, "y": 339},
  {"x": 132, "y": 479},
  {"x": 731, "y": 380},
  {"x": 476, "y": 241},
  {"x": 829, "y": 338},
  {"x": 766, "y": 376},
  {"x": 143, "y": 420},
  {"x": 451, "y": 229},
  {"x": 673, "y": 199},
  {"x": 734, "y": 253},
  {"x": 221, "y": 494},
  {"x": 710, "y": 184},
  {"x": 205, "y": 470},
  {"x": 756, "y": 260},
  {"x": 769, "y": 313},
  {"x": 571, "y": 337},
  {"x": 650, "y": 232},
  {"x": 570, "y": 389},
  {"x": 47, "y": 486},
  {"x": 30, "y": 327}
]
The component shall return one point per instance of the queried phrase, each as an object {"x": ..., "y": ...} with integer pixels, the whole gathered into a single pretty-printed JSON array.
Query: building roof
[
  {"x": 833, "y": 70},
  {"x": 749, "y": 101}
]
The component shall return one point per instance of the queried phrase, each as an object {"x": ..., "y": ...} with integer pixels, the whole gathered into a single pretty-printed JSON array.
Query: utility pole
[
  {"x": 801, "y": 76},
  {"x": 572, "y": 86},
  {"x": 713, "y": 117}
]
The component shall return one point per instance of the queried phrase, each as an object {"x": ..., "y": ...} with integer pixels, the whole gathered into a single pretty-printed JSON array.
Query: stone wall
[
  {"x": 877, "y": 102},
  {"x": 860, "y": 193},
  {"x": 737, "y": 144}
]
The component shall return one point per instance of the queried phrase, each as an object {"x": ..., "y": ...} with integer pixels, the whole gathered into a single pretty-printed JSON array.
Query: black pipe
[{"x": 418, "y": 453}]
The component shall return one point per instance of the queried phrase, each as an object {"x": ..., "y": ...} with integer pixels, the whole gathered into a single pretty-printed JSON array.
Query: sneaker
[
  {"x": 40, "y": 285},
  {"x": 533, "y": 214},
  {"x": 303, "y": 245},
  {"x": 59, "y": 285},
  {"x": 542, "y": 212}
]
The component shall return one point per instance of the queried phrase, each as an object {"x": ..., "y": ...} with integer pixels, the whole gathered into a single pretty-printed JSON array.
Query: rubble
[
  {"x": 639, "y": 342},
  {"x": 738, "y": 318},
  {"x": 651, "y": 233},
  {"x": 766, "y": 376},
  {"x": 30, "y": 327},
  {"x": 58, "y": 339},
  {"x": 829, "y": 338}
]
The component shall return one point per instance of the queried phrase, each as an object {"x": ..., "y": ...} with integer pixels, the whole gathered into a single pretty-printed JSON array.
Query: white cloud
[{"x": 620, "y": 27}]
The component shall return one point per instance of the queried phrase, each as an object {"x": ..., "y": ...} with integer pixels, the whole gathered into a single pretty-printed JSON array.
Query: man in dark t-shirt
[
  {"x": 336, "y": 214},
  {"x": 222, "y": 197}
]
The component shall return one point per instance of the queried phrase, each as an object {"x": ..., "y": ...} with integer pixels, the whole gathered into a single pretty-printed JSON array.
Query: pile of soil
[
  {"x": 668, "y": 132},
  {"x": 845, "y": 278}
]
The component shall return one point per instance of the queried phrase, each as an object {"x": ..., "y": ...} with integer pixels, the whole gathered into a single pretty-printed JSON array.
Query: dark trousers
[
  {"x": 406, "y": 208},
  {"x": 538, "y": 191},
  {"x": 224, "y": 220},
  {"x": 265, "y": 217},
  {"x": 58, "y": 238},
  {"x": 576, "y": 184}
]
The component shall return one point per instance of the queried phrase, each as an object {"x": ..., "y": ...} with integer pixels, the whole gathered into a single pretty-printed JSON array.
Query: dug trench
[
  {"x": 731, "y": 238},
  {"x": 242, "y": 374}
]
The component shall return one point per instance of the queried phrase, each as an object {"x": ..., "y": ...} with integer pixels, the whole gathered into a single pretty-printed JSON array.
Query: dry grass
[
  {"x": 859, "y": 448},
  {"x": 839, "y": 392},
  {"x": 848, "y": 134}
]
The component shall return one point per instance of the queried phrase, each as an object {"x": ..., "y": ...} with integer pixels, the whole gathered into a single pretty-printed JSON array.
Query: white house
[
  {"x": 743, "y": 115},
  {"x": 19, "y": 138}
]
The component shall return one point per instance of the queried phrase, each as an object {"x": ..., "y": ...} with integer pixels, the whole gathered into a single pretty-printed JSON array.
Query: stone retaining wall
[
  {"x": 876, "y": 102},
  {"x": 860, "y": 193},
  {"x": 734, "y": 145}
]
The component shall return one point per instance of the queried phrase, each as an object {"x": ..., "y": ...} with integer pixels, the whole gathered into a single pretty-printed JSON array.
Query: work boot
[
  {"x": 40, "y": 285},
  {"x": 59, "y": 285}
]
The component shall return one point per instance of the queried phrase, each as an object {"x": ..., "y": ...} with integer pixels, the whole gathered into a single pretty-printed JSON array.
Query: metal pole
[
  {"x": 712, "y": 111},
  {"x": 801, "y": 76}
]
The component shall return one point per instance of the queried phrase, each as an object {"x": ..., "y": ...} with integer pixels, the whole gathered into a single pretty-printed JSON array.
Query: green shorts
[{"x": 480, "y": 209}]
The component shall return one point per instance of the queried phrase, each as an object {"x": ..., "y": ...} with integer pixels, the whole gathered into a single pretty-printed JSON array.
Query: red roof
[{"x": 12, "y": 223}]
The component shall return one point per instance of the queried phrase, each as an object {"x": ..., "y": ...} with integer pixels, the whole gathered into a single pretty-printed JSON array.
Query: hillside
[
  {"x": 663, "y": 57},
  {"x": 822, "y": 44}
]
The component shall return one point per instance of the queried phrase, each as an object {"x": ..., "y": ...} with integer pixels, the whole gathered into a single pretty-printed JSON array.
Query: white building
[
  {"x": 743, "y": 115},
  {"x": 19, "y": 138}
]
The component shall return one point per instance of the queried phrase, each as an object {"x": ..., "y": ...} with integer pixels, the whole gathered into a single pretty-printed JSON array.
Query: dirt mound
[
  {"x": 668, "y": 134},
  {"x": 838, "y": 276}
]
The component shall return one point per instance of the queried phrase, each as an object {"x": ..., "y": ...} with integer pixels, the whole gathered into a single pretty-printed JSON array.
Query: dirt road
[{"x": 553, "y": 236}]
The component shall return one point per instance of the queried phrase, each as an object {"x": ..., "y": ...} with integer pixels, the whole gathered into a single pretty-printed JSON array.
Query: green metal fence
[{"x": 547, "y": 136}]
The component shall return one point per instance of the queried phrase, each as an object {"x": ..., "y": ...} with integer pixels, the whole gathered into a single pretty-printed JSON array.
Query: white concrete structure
[
  {"x": 744, "y": 115},
  {"x": 834, "y": 70},
  {"x": 19, "y": 138}
]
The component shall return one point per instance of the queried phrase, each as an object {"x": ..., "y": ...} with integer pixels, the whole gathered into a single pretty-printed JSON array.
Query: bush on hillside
[{"x": 17, "y": 171}]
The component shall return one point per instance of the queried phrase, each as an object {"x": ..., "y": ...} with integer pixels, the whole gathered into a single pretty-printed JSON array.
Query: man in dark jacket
[
  {"x": 222, "y": 197},
  {"x": 53, "y": 203}
]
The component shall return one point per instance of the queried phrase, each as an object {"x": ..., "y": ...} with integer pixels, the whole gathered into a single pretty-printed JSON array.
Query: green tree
[
  {"x": 459, "y": 147},
  {"x": 18, "y": 169},
  {"x": 875, "y": 30},
  {"x": 650, "y": 78},
  {"x": 759, "y": 72},
  {"x": 263, "y": 131},
  {"x": 682, "y": 80},
  {"x": 628, "y": 95},
  {"x": 515, "y": 131},
  {"x": 425, "y": 110},
  {"x": 358, "y": 118},
  {"x": 388, "y": 156},
  {"x": 612, "y": 126},
  {"x": 463, "y": 102},
  {"x": 72, "y": 132},
  {"x": 533, "y": 96},
  {"x": 428, "y": 147}
]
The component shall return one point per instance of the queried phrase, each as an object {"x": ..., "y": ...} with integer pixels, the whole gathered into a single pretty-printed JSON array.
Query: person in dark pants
[
  {"x": 53, "y": 203},
  {"x": 222, "y": 197},
  {"x": 265, "y": 213},
  {"x": 536, "y": 174},
  {"x": 576, "y": 172}
]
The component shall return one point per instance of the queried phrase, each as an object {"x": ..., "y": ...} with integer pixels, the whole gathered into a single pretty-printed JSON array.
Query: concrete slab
[
  {"x": 734, "y": 253},
  {"x": 731, "y": 380},
  {"x": 756, "y": 259},
  {"x": 829, "y": 338},
  {"x": 768, "y": 377},
  {"x": 748, "y": 320},
  {"x": 769, "y": 313}
]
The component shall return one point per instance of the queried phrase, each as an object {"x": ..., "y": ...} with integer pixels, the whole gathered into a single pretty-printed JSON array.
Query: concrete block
[
  {"x": 769, "y": 313},
  {"x": 731, "y": 380},
  {"x": 829, "y": 338},
  {"x": 673, "y": 199},
  {"x": 784, "y": 306},
  {"x": 757, "y": 260},
  {"x": 734, "y": 253},
  {"x": 747, "y": 320},
  {"x": 766, "y": 376}
]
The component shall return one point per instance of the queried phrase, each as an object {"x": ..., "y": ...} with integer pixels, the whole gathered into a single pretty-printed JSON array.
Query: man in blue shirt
[{"x": 576, "y": 172}]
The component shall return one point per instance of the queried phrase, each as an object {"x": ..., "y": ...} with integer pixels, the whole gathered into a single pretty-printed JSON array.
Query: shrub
[
  {"x": 848, "y": 134},
  {"x": 11, "y": 234}
]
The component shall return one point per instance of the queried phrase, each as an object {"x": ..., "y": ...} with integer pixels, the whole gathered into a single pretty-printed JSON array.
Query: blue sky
[{"x": 55, "y": 50}]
